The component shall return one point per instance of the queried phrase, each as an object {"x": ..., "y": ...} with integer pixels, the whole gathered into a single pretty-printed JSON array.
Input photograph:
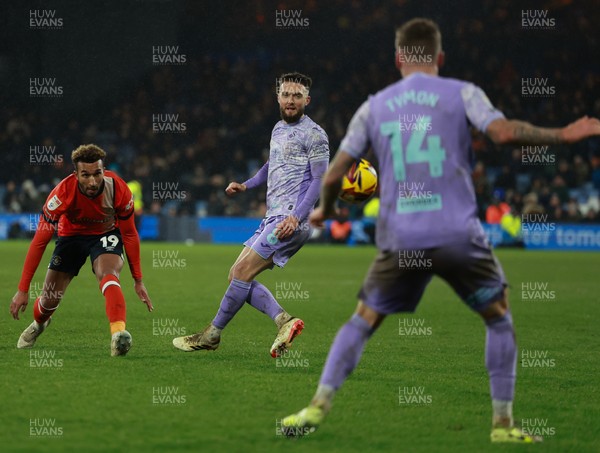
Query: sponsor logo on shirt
[
  {"x": 54, "y": 203},
  {"x": 129, "y": 205}
]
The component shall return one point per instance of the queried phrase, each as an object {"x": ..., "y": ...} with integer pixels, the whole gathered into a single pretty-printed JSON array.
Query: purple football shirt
[
  {"x": 418, "y": 128},
  {"x": 294, "y": 148}
]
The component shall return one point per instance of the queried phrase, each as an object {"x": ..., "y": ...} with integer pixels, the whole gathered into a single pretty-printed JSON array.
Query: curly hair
[{"x": 87, "y": 153}]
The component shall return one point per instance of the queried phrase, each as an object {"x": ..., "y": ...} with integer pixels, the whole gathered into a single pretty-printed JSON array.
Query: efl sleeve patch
[{"x": 53, "y": 203}]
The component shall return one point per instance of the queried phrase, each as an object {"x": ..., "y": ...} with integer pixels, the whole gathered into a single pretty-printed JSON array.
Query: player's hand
[
  {"x": 142, "y": 293},
  {"x": 286, "y": 227},
  {"x": 318, "y": 216},
  {"x": 19, "y": 302},
  {"x": 235, "y": 187},
  {"x": 584, "y": 127}
]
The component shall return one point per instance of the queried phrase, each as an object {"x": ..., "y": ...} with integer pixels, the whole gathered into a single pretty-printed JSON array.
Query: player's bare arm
[
  {"x": 287, "y": 226},
  {"x": 42, "y": 237},
  {"x": 132, "y": 249},
  {"x": 332, "y": 183},
  {"x": 503, "y": 131},
  {"x": 235, "y": 187},
  {"x": 19, "y": 303},
  {"x": 581, "y": 129},
  {"x": 142, "y": 292}
]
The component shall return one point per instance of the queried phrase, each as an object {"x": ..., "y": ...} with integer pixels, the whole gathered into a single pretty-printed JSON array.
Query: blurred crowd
[{"x": 225, "y": 101}]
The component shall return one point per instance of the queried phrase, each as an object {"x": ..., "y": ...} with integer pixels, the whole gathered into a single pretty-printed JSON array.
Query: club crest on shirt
[{"x": 54, "y": 203}]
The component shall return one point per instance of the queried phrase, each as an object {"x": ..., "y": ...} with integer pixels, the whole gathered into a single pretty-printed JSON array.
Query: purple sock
[
  {"x": 262, "y": 299},
  {"x": 501, "y": 357},
  {"x": 345, "y": 351},
  {"x": 232, "y": 301}
]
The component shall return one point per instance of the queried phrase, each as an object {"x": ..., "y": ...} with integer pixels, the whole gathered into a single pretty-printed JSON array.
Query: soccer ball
[{"x": 359, "y": 183}]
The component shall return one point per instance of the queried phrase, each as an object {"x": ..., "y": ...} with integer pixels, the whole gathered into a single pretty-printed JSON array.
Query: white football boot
[
  {"x": 288, "y": 331},
  {"x": 120, "y": 343},
  {"x": 208, "y": 339},
  {"x": 29, "y": 335}
]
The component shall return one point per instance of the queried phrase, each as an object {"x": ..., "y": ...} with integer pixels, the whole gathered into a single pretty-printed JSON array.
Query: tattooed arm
[{"x": 503, "y": 131}]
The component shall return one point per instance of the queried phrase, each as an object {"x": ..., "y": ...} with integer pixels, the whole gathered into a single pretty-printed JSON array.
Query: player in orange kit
[{"x": 93, "y": 211}]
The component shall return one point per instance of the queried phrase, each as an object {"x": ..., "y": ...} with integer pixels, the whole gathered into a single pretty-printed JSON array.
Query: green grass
[{"x": 231, "y": 398}]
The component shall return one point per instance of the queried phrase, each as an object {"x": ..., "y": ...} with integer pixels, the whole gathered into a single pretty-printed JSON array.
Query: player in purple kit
[
  {"x": 418, "y": 128},
  {"x": 298, "y": 159}
]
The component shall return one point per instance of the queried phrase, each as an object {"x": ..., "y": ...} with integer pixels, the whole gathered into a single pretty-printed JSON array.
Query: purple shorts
[
  {"x": 396, "y": 280},
  {"x": 266, "y": 244}
]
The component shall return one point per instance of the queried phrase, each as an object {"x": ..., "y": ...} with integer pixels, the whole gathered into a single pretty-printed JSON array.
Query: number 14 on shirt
[{"x": 434, "y": 155}]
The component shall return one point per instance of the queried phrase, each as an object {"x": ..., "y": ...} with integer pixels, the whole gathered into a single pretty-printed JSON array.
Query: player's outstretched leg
[
  {"x": 288, "y": 327},
  {"x": 210, "y": 337},
  {"x": 41, "y": 320},
  {"x": 120, "y": 341},
  {"x": 343, "y": 357},
  {"x": 501, "y": 361},
  {"x": 55, "y": 285}
]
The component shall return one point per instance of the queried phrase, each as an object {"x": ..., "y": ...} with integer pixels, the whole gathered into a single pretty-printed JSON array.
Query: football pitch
[{"x": 421, "y": 386}]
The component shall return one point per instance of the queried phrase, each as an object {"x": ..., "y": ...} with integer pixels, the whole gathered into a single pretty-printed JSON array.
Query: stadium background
[{"x": 219, "y": 86}]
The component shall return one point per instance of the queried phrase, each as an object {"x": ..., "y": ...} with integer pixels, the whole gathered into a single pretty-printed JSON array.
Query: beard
[
  {"x": 98, "y": 191},
  {"x": 291, "y": 118}
]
